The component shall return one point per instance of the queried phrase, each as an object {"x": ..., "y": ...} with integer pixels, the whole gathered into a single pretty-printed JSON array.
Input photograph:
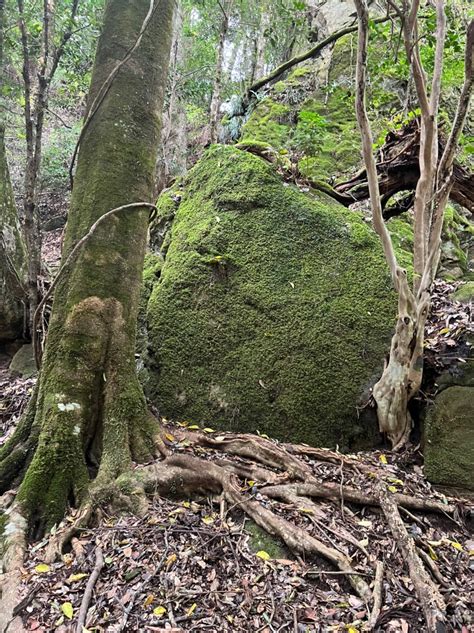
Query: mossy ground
[{"x": 273, "y": 310}]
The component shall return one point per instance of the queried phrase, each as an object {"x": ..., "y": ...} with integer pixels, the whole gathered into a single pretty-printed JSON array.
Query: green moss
[
  {"x": 268, "y": 123},
  {"x": 261, "y": 540},
  {"x": 401, "y": 231},
  {"x": 449, "y": 438},
  {"x": 302, "y": 308},
  {"x": 465, "y": 294}
]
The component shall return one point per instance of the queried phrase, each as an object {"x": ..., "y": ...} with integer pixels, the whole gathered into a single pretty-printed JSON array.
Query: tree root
[
  {"x": 185, "y": 472},
  {"x": 14, "y": 548},
  {"x": 431, "y": 600},
  {"x": 278, "y": 473},
  {"x": 336, "y": 491}
]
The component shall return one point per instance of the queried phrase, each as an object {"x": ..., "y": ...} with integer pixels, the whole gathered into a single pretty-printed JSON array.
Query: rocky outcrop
[{"x": 273, "y": 309}]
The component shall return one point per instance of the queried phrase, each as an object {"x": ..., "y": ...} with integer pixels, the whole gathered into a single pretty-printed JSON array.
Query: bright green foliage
[{"x": 273, "y": 310}]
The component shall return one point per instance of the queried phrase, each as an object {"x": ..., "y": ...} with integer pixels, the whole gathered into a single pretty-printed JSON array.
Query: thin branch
[
  {"x": 367, "y": 142},
  {"x": 309, "y": 54},
  {"x": 99, "y": 563}
]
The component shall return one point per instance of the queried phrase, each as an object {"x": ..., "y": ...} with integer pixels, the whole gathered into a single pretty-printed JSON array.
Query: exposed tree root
[
  {"x": 431, "y": 600},
  {"x": 14, "y": 547},
  {"x": 184, "y": 472},
  {"x": 278, "y": 473},
  {"x": 377, "y": 595}
]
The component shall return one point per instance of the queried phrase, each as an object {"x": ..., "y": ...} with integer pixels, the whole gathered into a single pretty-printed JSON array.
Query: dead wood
[
  {"x": 86, "y": 599},
  {"x": 377, "y": 595},
  {"x": 398, "y": 169}
]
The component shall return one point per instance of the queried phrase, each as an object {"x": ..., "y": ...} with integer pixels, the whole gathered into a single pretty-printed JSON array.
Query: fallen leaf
[
  {"x": 263, "y": 555},
  {"x": 191, "y": 609},
  {"x": 159, "y": 610},
  {"x": 42, "y": 568},
  {"x": 67, "y": 609},
  {"x": 382, "y": 459},
  {"x": 208, "y": 520},
  {"x": 76, "y": 577},
  {"x": 149, "y": 600}
]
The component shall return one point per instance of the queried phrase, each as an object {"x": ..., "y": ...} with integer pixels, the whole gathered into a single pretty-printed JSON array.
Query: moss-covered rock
[
  {"x": 273, "y": 310},
  {"x": 465, "y": 293},
  {"x": 449, "y": 438}
]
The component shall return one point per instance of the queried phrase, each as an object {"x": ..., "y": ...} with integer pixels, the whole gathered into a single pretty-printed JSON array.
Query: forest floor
[{"x": 200, "y": 565}]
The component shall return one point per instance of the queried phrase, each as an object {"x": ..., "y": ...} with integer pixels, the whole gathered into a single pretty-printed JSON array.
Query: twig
[
  {"x": 377, "y": 595},
  {"x": 99, "y": 563}
]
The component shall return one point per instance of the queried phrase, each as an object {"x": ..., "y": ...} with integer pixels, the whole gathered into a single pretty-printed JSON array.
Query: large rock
[
  {"x": 449, "y": 438},
  {"x": 273, "y": 310}
]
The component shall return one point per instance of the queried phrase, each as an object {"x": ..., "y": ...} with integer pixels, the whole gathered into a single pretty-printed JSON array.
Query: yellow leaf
[
  {"x": 230, "y": 618},
  {"x": 191, "y": 609},
  {"x": 265, "y": 436},
  {"x": 306, "y": 510},
  {"x": 432, "y": 553},
  {"x": 194, "y": 427},
  {"x": 208, "y": 430},
  {"x": 445, "y": 330},
  {"x": 470, "y": 552},
  {"x": 365, "y": 523},
  {"x": 169, "y": 437},
  {"x": 170, "y": 560},
  {"x": 159, "y": 611},
  {"x": 67, "y": 609},
  {"x": 393, "y": 489},
  {"x": 207, "y": 520},
  {"x": 183, "y": 424},
  {"x": 383, "y": 459},
  {"x": 42, "y": 568},
  {"x": 186, "y": 504},
  {"x": 76, "y": 577},
  {"x": 59, "y": 621},
  {"x": 372, "y": 475},
  {"x": 251, "y": 483},
  {"x": 352, "y": 629},
  {"x": 456, "y": 545},
  {"x": 263, "y": 555},
  {"x": 149, "y": 600},
  {"x": 399, "y": 482}
]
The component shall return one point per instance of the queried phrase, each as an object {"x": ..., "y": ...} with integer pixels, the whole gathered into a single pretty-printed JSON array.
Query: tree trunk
[
  {"x": 216, "y": 93},
  {"x": 13, "y": 297},
  {"x": 12, "y": 250},
  {"x": 91, "y": 418}
]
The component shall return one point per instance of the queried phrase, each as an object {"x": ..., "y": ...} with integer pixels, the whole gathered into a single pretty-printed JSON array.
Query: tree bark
[
  {"x": 216, "y": 93},
  {"x": 91, "y": 418},
  {"x": 13, "y": 300}
]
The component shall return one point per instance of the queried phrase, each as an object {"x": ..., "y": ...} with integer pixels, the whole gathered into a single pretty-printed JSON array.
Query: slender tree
[
  {"x": 13, "y": 295},
  {"x": 225, "y": 7},
  {"x": 89, "y": 418},
  {"x": 402, "y": 375},
  {"x": 37, "y": 77}
]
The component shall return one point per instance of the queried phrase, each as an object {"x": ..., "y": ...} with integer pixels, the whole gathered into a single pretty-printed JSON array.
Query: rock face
[
  {"x": 449, "y": 438},
  {"x": 273, "y": 310}
]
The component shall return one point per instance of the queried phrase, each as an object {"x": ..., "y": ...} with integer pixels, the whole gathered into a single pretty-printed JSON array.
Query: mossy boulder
[
  {"x": 449, "y": 438},
  {"x": 273, "y": 310}
]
